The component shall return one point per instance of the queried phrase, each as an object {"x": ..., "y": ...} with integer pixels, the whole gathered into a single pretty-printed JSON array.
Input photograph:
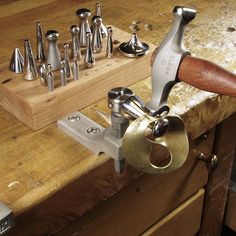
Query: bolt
[
  {"x": 73, "y": 118},
  {"x": 93, "y": 130}
]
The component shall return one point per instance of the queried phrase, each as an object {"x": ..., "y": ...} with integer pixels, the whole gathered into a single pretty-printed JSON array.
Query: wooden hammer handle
[{"x": 207, "y": 76}]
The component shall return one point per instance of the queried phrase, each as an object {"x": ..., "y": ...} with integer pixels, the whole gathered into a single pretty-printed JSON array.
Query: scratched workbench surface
[{"x": 36, "y": 165}]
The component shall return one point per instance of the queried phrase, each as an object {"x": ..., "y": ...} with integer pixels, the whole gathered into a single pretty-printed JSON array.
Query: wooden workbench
[{"x": 50, "y": 181}]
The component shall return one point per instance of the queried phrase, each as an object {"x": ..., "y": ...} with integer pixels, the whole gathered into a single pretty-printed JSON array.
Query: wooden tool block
[{"x": 32, "y": 104}]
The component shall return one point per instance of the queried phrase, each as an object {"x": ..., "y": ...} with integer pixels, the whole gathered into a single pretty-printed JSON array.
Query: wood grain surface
[
  {"x": 185, "y": 220},
  {"x": 36, "y": 166}
]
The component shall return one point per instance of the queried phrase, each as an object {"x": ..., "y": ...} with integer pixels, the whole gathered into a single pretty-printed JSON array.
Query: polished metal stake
[
  {"x": 63, "y": 73},
  {"x": 53, "y": 57},
  {"x": 109, "y": 49},
  {"x": 43, "y": 74},
  {"x": 89, "y": 59},
  {"x": 17, "y": 62},
  {"x": 50, "y": 78},
  {"x": 30, "y": 69},
  {"x": 98, "y": 13},
  {"x": 41, "y": 56},
  {"x": 83, "y": 15},
  {"x": 75, "y": 48},
  {"x": 66, "y": 59},
  {"x": 75, "y": 70},
  {"x": 97, "y": 35}
]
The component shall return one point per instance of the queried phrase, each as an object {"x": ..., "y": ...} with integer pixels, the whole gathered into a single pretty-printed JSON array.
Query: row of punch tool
[{"x": 46, "y": 66}]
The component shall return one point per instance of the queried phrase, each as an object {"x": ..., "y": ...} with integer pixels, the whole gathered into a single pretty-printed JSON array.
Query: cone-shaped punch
[
  {"x": 63, "y": 73},
  {"x": 97, "y": 35},
  {"x": 41, "y": 56},
  {"x": 75, "y": 70},
  {"x": 66, "y": 59},
  {"x": 30, "y": 69},
  {"x": 89, "y": 60},
  {"x": 98, "y": 13},
  {"x": 17, "y": 62},
  {"x": 109, "y": 49},
  {"x": 50, "y": 78},
  {"x": 75, "y": 48},
  {"x": 83, "y": 15},
  {"x": 134, "y": 47},
  {"x": 53, "y": 56},
  {"x": 43, "y": 74}
]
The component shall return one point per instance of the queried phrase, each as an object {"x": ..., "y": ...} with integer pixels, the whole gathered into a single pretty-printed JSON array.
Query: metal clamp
[{"x": 132, "y": 142}]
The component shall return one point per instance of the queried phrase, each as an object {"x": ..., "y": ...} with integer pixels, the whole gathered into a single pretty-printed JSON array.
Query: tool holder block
[{"x": 32, "y": 104}]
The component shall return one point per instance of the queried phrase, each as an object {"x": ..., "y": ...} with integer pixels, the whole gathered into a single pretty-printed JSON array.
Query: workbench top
[{"x": 34, "y": 166}]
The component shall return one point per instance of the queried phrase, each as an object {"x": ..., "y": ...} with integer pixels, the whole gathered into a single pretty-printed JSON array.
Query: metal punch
[
  {"x": 75, "y": 47},
  {"x": 89, "y": 60},
  {"x": 109, "y": 48},
  {"x": 83, "y": 15},
  {"x": 134, "y": 48},
  {"x": 53, "y": 56},
  {"x": 41, "y": 55},
  {"x": 97, "y": 34},
  {"x": 103, "y": 28},
  {"x": 17, "y": 62},
  {"x": 30, "y": 69}
]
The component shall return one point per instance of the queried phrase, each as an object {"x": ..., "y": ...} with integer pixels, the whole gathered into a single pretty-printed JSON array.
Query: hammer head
[{"x": 168, "y": 57}]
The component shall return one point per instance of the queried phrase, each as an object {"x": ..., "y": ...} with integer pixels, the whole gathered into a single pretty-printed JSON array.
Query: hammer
[{"x": 172, "y": 63}]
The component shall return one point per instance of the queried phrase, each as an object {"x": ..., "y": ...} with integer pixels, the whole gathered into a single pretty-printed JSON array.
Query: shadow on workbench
[{"x": 226, "y": 231}]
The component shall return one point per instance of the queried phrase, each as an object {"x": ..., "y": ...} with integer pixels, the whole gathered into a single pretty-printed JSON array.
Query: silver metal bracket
[
  {"x": 131, "y": 142},
  {"x": 6, "y": 219},
  {"x": 93, "y": 136}
]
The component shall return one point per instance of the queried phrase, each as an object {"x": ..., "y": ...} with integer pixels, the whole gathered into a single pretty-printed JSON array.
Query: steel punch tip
[
  {"x": 63, "y": 73},
  {"x": 53, "y": 56},
  {"x": 75, "y": 47},
  {"x": 30, "y": 69},
  {"x": 50, "y": 78},
  {"x": 134, "y": 47},
  {"x": 42, "y": 74},
  {"x": 66, "y": 59},
  {"x": 109, "y": 48},
  {"x": 98, "y": 13},
  {"x": 41, "y": 56},
  {"x": 75, "y": 70},
  {"x": 83, "y": 15},
  {"x": 17, "y": 62},
  {"x": 97, "y": 35},
  {"x": 89, "y": 59}
]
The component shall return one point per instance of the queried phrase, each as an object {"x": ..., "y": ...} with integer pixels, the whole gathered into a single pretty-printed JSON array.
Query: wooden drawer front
[
  {"x": 185, "y": 220},
  {"x": 147, "y": 200},
  {"x": 230, "y": 218}
]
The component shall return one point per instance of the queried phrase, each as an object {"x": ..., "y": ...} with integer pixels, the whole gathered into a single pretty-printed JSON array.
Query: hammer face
[
  {"x": 168, "y": 57},
  {"x": 187, "y": 14}
]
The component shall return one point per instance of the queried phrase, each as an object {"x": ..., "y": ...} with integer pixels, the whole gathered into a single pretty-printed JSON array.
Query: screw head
[
  {"x": 93, "y": 130},
  {"x": 73, "y": 118}
]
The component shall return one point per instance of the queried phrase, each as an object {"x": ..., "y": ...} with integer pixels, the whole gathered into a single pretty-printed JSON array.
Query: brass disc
[{"x": 137, "y": 148}]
